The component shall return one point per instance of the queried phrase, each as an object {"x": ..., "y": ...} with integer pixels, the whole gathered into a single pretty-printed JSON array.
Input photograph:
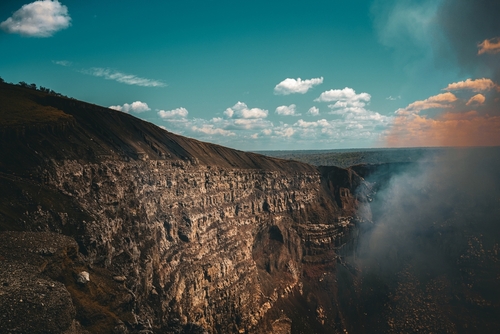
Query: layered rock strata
[{"x": 179, "y": 235}]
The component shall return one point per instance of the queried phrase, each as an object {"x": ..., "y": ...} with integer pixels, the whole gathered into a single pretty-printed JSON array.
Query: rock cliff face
[{"x": 177, "y": 235}]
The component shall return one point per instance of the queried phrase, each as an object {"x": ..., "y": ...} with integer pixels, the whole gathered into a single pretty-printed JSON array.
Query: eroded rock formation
[{"x": 177, "y": 235}]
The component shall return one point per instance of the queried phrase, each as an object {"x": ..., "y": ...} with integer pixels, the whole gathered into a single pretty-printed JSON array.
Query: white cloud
[
  {"x": 347, "y": 104},
  {"x": 178, "y": 112},
  {"x": 354, "y": 123},
  {"x": 240, "y": 126},
  {"x": 253, "y": 113},
  {"x": 319, "y": 123},
  {"x": 128, "y": 79},
  {"x": 38, "y": 19},
  {"x": 336, "y": 110},
  {"x": 64, "y": 63},
  {"x": 368, "y": 116},
  {"x": 221, "y": 130},
  {"x": 359, "y": 115},
  {"x": 392, "y": 98},
  {"x": 338, "y": 130},
  {"x": 354, "y": 126},
  {"x": 291, "y": 86},
  {"x": 314, "y": 111},
  {"x": 346, "y": 95},
  {"x": 136, "y": 107},
  {"x": 229, "y": 112},
  {"x": 209, "y": 129},
  {"x": 285, "y": 132},
  {"x": 241, "y": 110},
  {"x": 250, "y": 124},
  {"x": 287, "y": 110}
]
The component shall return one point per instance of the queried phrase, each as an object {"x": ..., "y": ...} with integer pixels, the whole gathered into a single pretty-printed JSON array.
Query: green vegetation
[{"x": 21, "y": 105}]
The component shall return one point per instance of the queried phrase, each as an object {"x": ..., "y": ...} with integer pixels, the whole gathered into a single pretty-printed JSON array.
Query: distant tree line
[
  {"x": 34, "y": 87},
  {"x": 41, "y": 89}
]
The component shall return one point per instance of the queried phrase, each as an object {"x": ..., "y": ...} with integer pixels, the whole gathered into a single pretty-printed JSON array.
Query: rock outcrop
[
  {"x": 31, "y": 298},
  {"x": 176, "y": 235}
]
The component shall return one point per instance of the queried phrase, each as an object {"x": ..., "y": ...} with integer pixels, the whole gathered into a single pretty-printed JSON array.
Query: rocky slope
[{"x": 177, "y": 235}]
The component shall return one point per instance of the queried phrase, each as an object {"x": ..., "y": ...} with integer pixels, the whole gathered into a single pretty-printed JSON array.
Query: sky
[{"x": 272, "y": 75}]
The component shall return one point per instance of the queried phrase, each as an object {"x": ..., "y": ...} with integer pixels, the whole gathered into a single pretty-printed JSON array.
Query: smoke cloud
[
  {"x": 435, "y": 225},
  {"x": 433, "y": 249},
  {"x": 465, "y": 25},
  {"x": 454, "y": 189},
  {"x": 458, "y": 34}
]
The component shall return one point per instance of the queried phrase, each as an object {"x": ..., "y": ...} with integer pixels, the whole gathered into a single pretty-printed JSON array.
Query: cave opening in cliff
[{"x": 275, "y": 234}]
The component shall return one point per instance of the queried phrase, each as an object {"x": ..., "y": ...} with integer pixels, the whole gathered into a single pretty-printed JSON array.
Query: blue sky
[{"x": 258, "y": 75}]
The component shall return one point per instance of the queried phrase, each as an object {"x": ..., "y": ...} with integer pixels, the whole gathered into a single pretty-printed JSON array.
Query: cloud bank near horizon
[{"x": 468, "y": 117}]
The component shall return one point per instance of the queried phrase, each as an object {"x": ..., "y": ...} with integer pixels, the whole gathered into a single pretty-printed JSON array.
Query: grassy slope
[
  {"x": 96, "y": 131},
  {"x": 20, "y": 107}
]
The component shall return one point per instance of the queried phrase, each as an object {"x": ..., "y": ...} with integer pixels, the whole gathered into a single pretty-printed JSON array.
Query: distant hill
[{"x": 350, "y": 157}]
